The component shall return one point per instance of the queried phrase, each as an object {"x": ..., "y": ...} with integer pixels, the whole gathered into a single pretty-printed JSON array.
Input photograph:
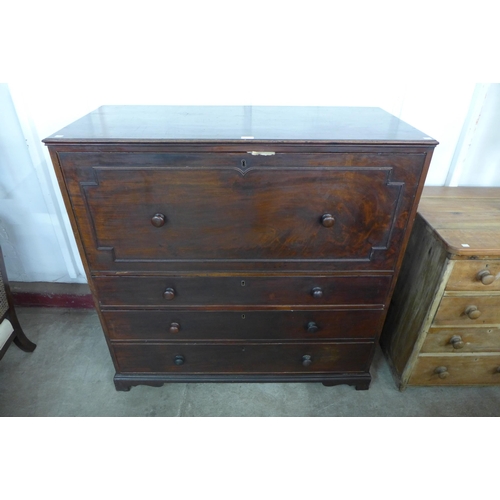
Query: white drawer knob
[
  {"x": 473, "y": 312},
  {"x": 485, "y": 277},
  {"x": 441, "y": 372},
  {"x": 457, "y": 342}
]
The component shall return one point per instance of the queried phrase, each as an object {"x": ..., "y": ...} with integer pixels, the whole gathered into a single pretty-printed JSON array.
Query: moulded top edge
[{"x": 108, "y": 141}]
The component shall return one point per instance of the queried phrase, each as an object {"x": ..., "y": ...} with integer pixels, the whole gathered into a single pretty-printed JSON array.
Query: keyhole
[
  {"x": 242, "y": 316},
  {"x": 243, "y": 163},
  {"x": 242, "y": 282}
]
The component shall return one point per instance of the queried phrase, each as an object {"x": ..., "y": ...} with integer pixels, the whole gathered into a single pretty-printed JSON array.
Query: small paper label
[
  {"x": 59, "y": 136},
  {"x": 247, "y": 136},
  {"x": 465, "y": 245}
]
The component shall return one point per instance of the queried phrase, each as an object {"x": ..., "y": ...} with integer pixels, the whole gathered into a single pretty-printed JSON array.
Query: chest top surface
[
  {"x": 165, "y": 124},
  {"x": 466, "y": 219}
]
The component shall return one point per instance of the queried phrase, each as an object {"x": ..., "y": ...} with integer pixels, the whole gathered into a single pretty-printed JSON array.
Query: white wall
[
  {"x": 28, "y": 230},
  {"x": 63, "y": 62},
  {"x": 481, "y": 158}
]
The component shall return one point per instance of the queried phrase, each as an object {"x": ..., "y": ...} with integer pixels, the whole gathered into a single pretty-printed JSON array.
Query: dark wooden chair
[{"x": 10, "y": 329}]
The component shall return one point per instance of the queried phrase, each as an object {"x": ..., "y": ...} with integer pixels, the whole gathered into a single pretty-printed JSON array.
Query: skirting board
[{"x": 71, "y": 295}]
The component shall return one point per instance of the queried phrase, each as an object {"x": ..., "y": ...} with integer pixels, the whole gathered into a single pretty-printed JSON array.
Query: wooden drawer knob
[
  {"x": 497, "y": 370},
  {"x": 306, "y": 360},
  {"x": 328, "y": 220},
  {"x": 179, "y": 360},
  {"x": 158, "y": 220},
  {"x": 316, "y": 292},
  {"x": 174, "y": 328},
  {"x": 485, "y": 277},
  {"x": 473, "y": 312},
  {"x": 457, "y": 342},
  {"x": 441, "y": 371},
  {"x": 169, "y": 294},
  {"x": 312, "y": 327}
]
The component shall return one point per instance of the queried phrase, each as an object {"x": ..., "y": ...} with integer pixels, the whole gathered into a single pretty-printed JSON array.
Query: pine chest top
[{"x": 465, "y": 219}]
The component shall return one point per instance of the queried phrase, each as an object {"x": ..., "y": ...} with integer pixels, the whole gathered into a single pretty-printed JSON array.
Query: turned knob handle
[
  {"x": 169, "y": 294},
  {"x": 316, "y": 292},
  {"x": 174, "y": 328},
  {"x": 158, "y": 220},
  {"x": 306, "y": 360},
  {"x": 473, "y": 312},
  {"x": 457, "y": 342},
  {"x": 485, "y": 277},
  {"x": 497, "y": 370},
  {"x": 328, "y": 220},
  {"x": 441, "y": 371},
  {"x": 179, "y": 360},
  {"x": 312, "y": 327}
]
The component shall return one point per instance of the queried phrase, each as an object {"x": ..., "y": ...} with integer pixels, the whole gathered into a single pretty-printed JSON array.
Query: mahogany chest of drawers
[
  {"x": 241, "y": 244},
  {"x": 443, "y": 326}
]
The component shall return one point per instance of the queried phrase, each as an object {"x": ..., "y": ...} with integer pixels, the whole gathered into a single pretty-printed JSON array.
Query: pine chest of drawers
[
  {"x": 443, "y": 326},
  {"x": 241, "y": 244}
]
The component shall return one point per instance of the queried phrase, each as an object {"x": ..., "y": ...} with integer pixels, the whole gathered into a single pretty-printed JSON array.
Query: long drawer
[
  {"x": 243, "y": 358},
  {"x": 179, "y": 326},
  {"x": 175, "y": 291},
  {"x": 458, "y": 370}
]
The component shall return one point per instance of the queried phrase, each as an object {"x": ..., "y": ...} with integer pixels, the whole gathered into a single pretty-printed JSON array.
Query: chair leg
[{"x": 20, "y": 339}]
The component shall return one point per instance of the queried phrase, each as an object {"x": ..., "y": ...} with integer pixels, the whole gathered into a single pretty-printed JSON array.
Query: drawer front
[
  {"x": 180, "y": 326},
  {"x": 244, "y": 358},
  {"x": 175, "y": 291},
  {"x": 475, "y": 276},
  {"x": 460, "y": 370},
  {"x": 459, "y": 340},
  {"x": 468, "y": 311},
  {"x": 308, "y": 209}
]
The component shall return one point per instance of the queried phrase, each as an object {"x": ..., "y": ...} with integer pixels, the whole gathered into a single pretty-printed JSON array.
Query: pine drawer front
[
  {"x": 208, "y": 211},
  {"x": 244, "y": 358},
  {"x": 477, "y": 310},
  {"x": 181, "y": 326},
  {"x": 470, "y": 369},
  {"x": 475, "y": 276},
  {"x": 178, "y": 291},
  {"x": 462, "y": 340}
]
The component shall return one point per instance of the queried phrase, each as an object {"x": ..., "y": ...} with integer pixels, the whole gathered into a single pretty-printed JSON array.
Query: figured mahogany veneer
[{"x": 241, "y": 243}]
